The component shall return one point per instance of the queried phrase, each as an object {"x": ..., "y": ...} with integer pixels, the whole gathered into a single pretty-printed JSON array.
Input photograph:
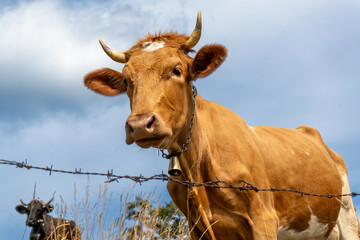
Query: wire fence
[{"x": 111, "y": 177}]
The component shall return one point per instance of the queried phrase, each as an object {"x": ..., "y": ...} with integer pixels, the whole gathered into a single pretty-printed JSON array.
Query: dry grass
[{"x": 102, "y": 216}]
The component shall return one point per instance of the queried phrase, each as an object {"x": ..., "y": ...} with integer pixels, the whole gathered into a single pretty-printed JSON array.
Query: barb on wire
[{"x": 111, "y": 177}]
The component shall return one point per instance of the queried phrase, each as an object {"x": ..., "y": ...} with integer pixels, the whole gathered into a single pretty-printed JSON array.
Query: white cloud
[{"x": 41, "y": 41}]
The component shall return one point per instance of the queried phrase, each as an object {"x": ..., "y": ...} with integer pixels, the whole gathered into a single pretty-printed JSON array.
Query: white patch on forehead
[
  {"x": 152, "y": 46},
  {"x": 316, "y": 230}
]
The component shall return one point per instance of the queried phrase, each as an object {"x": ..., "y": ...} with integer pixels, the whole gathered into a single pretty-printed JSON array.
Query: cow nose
[{"x": 141, "y": 126}]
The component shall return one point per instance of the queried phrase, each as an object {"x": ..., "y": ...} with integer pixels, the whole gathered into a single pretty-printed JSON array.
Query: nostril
[
  {"x": 130, "y": 128},
  {"x": 30, "y": 222},
  {"x": 151, "y": 122}
]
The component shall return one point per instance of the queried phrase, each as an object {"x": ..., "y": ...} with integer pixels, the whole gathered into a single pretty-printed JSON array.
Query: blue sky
[{"x": 290, "y": 63}]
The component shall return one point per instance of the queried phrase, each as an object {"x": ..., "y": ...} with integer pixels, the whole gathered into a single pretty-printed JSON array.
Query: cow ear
[
  {"x": 105, "y": 81},
  {"x": 207, "y": 60},
  {"x": 21, "y": 209},
  {"x": 49, "y": 208}
]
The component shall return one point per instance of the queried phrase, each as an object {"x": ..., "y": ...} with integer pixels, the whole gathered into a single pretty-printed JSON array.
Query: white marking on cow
[
  {"x": 307, "y": 153},
  {"x": 253, "y": 129},
  {"x": 292, "y": 152},
  {"x": 347, "y": 221},
  {"x": 152, "y": 46},
  {"x": 334, "y": 234},
  {"x": 316, "y": 230},
  {"x": 346, "y": 226}
]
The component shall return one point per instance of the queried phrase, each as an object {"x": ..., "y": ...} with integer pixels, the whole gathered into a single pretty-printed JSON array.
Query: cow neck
[
  {"x": 175, "y": 154},
  {"x": 190, "y": 174}
]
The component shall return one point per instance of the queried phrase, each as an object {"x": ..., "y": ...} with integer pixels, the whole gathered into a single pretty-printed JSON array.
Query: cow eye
[{"x": 177, "y": 72}]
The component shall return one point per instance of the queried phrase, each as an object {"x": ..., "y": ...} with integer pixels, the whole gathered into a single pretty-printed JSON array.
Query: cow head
[
  {"x": 35, "y": 211},
  {"x": 157, "y": 78}
]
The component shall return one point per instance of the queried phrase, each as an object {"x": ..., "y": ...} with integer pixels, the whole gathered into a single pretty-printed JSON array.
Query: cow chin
[
  {"x": 154, "y": 141},
  {"x": 150, "y": 142}
]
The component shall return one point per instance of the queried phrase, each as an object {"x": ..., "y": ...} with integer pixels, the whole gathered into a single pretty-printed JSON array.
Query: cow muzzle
[
  {"x": 30, "y": 222},
  {"x": 144, "y": 129}
]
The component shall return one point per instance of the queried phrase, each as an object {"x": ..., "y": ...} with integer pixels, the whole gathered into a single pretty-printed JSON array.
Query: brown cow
[{"x": 158, "y": 77}]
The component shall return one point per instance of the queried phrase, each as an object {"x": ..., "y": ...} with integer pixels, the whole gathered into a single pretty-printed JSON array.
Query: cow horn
[
  {"x": 49, "y": 201},
  {"x": 196, "y": 34},
  {"x": 23, "y": 203},
  {"x": 34, "y": 194},
  {"x": 114, "y": 55}
]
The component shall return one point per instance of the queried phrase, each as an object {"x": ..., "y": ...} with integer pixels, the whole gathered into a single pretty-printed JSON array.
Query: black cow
[{"x": 45, "y": 227}]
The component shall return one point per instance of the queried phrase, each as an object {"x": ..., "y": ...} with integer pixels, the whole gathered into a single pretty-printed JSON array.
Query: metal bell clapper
[{"x": 174, "y": 166}]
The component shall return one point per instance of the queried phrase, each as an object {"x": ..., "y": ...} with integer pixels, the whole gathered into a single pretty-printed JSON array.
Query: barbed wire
[{"x": 111, "y": 177}]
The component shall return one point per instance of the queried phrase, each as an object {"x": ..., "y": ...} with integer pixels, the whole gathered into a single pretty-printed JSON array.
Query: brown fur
[{"x": 223, "y": 147}]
